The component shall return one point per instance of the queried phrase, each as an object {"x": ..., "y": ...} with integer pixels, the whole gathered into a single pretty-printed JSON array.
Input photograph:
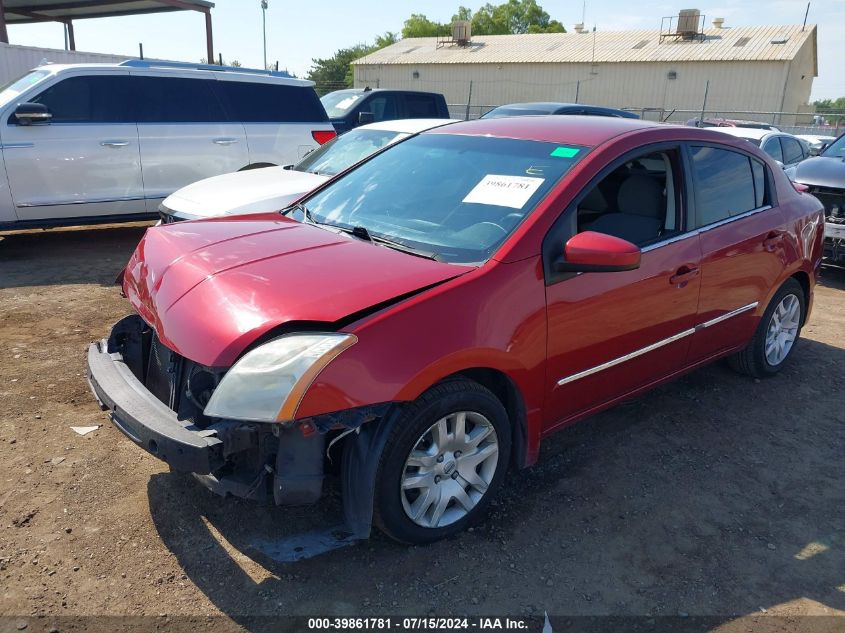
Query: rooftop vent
[
  {"x": 688, "y": 20},
  {"x": 780, "y": 40},
  {"x": 579, "y": 28},
  {"x": 640, "y": 44},
  {"x": 718, "y": 23}
]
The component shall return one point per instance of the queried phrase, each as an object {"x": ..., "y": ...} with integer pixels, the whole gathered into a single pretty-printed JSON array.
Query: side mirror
[
  {"x": 591, "y": 252},
  {"x": 366, "y": 117},
  {"x": 29, "y": 113},
  {"x": 815, "y": 151}
]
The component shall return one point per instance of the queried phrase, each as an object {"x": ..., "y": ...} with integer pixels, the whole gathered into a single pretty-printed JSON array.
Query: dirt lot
[{"x": 715, "y": 495}]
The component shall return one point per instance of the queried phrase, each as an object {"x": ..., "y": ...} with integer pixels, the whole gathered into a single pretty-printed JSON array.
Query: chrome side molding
[{"x": 657, "y": 345}]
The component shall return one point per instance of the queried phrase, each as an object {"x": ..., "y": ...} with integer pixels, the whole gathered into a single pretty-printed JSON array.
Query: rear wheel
[
  {"x": 776, "y": 334},
  {"x": 443, "y": 463}
]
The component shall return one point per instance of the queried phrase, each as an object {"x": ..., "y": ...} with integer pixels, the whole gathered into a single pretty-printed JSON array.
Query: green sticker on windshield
[{"x": 565, "y": 152}]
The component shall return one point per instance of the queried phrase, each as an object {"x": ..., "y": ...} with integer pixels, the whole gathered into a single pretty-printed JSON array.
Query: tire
[
  {"x": 754, "y": 360},
  {"x": 440, "y": 466}
]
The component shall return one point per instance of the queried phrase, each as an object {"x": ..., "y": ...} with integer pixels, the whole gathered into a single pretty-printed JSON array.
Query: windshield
[
  {"x": 346, "y": 150},
  {"x": 836, "y": 149},
  {"x": 454, "y": 197},
  {"x": 11, "y": 90},
  {"x": 338, "y": 103}
]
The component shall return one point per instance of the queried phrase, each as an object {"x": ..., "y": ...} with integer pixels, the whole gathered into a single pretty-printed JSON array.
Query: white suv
[{"x": 89, "y": 143}]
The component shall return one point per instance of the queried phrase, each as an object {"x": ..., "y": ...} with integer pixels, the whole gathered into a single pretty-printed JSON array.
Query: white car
[
  {"x": 86, "y": 143},
  {"x": 786, "y": 149},
  {"x": 817, "y": 142},
  {"x": 274, "y": 188}
]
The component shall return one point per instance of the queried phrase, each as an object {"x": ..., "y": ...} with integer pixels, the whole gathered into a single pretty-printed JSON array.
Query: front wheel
[
  {"x": 776, "y": 334},
  {"x": 443, "y": 463}
]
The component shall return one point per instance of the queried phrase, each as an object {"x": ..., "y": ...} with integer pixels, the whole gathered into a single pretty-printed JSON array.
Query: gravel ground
[{"x": 714, "y": 495}]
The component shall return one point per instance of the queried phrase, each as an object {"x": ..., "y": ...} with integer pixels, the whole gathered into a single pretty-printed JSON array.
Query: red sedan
[{"x": 427, "y": 317}]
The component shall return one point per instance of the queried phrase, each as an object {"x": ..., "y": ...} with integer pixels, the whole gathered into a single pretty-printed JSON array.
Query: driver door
[{"x": 610, "y": 333}]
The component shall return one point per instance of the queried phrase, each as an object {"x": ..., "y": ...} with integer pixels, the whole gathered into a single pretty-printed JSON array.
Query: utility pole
[{"x": 264, "y": 29}]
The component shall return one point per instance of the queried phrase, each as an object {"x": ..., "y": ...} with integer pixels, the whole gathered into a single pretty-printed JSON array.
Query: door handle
[
  {"x": 684, "y": 274},
  {"x": 224, "y": 141},
  {"x": 114, "y": 143},
  {"x": 773, "y": 240}
]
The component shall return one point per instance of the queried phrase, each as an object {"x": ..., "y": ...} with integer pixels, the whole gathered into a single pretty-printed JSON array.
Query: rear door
[
  {"x": 184, "y": 134},
  {"x": 793, "y": 153},
  {"x": 283, "y": 122},
  {"x": 85, "y": 161},
  {"x": 741, "y": 231},
  {"x": 612, "y": 333}
]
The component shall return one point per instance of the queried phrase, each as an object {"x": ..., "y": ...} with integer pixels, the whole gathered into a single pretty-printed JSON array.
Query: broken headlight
[{"x": 267, "y": 383}]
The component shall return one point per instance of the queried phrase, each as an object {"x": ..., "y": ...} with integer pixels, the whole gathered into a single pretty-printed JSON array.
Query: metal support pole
[
  {"x": 577, "y": 90},
  {"x": 70, "y": 37},
  {"x": 704, "y": 104},
  {"x": 209, "y": 42},
  {"x": 4, "y": 35},
  {"x": 264, "y": 29},
  {"x": 141, "y": 50},
  {"x": 469, "y": 100}
]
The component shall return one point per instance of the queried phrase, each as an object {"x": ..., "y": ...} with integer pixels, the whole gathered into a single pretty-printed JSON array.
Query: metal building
[{"x": 661, "y": 72}]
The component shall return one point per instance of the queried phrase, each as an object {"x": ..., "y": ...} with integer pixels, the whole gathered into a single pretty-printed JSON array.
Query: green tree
[
  {"x": 513, "y": 16},
  {"x": 335, "y": 72},
  {"x": 829, "y": 104},
  {"x": 419, "y": 25}
]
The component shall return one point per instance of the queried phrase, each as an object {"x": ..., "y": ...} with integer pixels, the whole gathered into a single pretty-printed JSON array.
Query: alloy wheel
[{"x": 782, "y": 330}]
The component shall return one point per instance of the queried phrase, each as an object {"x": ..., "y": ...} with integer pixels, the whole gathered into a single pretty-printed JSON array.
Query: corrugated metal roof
[
  {"x": 603, "y": 47},
  {"x": 26, "y": 11}
]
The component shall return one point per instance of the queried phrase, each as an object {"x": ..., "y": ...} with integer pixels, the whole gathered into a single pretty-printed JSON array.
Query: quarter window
[
  {"x": 89, "y": 99},
  {"x": 177, "y": 100},
  {"x": 772, "y": 148},
  {"x": 725, "y": 184}
]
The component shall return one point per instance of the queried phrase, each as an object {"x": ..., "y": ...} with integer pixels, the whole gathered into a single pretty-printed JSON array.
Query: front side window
[
  {"x": 344, "y": 151},
  {"x": 724, "y": 184},
  {"x": 456, "y": 198},
  {"x": 177, "y": 100},
  {"x": 637, "y": 201},
  {"x": 89, "y": 99}
]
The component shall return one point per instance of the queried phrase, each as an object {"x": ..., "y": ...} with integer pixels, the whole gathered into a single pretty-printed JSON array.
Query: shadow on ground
[
  {"x": 60, "y": 256},
  {"x": 712, "y": 495}
]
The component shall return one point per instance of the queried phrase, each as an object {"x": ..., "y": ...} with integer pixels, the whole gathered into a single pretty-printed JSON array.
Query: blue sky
[{"x": 300, "y": 31}]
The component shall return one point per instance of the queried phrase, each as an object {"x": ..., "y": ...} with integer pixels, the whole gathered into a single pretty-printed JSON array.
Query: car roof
[
  {"x": 588, "y": 131},
  {"x": 363, "y": 91},
  {"x": 407, "y": 126}
]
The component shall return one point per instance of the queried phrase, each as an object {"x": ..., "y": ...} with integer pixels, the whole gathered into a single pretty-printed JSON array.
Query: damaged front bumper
[
  {"x": 146, "y": 420},
  {"x": 268, "y": 463}
]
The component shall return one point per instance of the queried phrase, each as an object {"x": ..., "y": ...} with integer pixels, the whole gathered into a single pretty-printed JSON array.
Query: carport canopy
[{"x": 66, "y": 11}]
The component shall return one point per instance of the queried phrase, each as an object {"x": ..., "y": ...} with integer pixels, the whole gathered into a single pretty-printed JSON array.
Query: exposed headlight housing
[{"x": 267, "y": 383}]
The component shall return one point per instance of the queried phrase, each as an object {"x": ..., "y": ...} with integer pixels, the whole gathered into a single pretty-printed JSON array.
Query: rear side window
[
  {"x": 792, "y": 152},
  {"x": 772, "y": 148},
  {"x": 725, "y": 184},
  {"x": 420, "y": 106},
  {"x": 251, "y": 102},
  {"x": 90, "y": 99},
  {"x": 177, "y": 100}
]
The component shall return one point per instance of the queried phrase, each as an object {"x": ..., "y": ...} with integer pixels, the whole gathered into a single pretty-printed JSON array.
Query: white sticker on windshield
[
  {"x": 346, "y": 103},
  {"x": 504, "y": 191}
]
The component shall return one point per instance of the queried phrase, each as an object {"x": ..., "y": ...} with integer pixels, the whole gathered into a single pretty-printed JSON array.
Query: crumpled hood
[
  {"x": 821, "y": 171},
  {"x": 251, "y": 191},
  {"x": 212, "y": 287}
]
